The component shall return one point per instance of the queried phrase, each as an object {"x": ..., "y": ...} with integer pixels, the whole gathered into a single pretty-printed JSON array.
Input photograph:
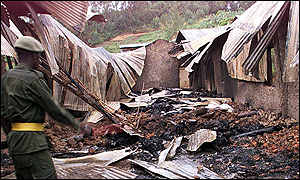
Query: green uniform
[{"x": 25, "y": 97}]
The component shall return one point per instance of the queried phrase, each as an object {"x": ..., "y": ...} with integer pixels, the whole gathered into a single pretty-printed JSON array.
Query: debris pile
[{"x": 211, "y": 136}]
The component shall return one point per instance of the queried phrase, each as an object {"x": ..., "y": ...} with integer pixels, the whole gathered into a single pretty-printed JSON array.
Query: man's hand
[
  {"x": 85, "y": 130},
  {"x": 4, "y": 145}
]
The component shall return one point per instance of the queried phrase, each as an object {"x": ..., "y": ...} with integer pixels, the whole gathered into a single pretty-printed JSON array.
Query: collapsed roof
[
  {"x": 260, "y": 21},
  {"x": 106, "y": 75},
  {"x": 73, "y": 14}
]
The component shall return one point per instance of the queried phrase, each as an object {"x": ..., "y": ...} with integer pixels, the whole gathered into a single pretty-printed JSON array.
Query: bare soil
[{"x": 121, "y": 38}]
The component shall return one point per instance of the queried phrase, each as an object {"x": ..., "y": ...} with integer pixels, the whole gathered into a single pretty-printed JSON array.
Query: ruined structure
[
  {"x": 254, "y": 65},
  {"x": 160, "y": 69}
]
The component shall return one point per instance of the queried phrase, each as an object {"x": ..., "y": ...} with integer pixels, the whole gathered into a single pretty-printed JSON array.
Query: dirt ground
[
  {"x": 125, "y": 36},
  {"x": 121, "y": 38},
  {"x": 272, "y": 153}
]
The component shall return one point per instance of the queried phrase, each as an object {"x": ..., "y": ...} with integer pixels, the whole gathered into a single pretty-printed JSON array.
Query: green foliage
[
  {"x": 155, "y": 22},
  {"x": 168, "y": 16},
  {"x": 113, "y": 47},
  {"x": 221, "y": 18},
  {"x": 151, "y": 36}
]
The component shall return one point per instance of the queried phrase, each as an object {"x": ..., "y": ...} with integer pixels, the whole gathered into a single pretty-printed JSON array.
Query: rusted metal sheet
[
  {"x": 95, "y": 166},
  {"x": 236, "y": 71},
  {"x": 8, "y": 34},
  {"x": 205, "y": 42},
  {"x": 6, "y": 48},
  {"x": 193, "y": 34},
  {"x": 199, "y": 41},
  {"x": 104, "y": 158},
  {"x": 182, "y": 168},
  {"x": 170, "y": 151},
  {"x": 199, "y": 137},
  {"x": 92, "y": 171},
  {"x": 292, "y": 49},
  {"x": 70, "y": 13},
  {"x": 247, "y": 25},
  {"x": 253, "y": 59},
  {"x": 90, "y": 65},
  {"x": 295, "y": 60}
]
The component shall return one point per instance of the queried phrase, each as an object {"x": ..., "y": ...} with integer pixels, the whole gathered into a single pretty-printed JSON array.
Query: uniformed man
[{"x": 25, "y": 97}]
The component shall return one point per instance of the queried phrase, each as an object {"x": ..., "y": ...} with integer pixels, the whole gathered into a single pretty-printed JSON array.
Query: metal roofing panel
[
  {"x": 90, "y": 64},
  {"x": 198, "y": 42},
  {"x": 92, "y": 171},
  {"x": 292, "y": 49},
  {"x": 104, "y": 158},
  {"x": 181, "y": 168},
  {"x": 199, "y": 137},
  {"x": 193, "y": 34},
  {"x": 247, "y": 25},
  {"x": 295, "y": 60},
  {"x": 71, "y": 13},
  {"x": 6, "y": 48},
  {"x": 236, "y": 71},
  {"x": 203, "y": 43},
  {"x": 8, "y": 38},
  {"x": 253, "y": 59}
]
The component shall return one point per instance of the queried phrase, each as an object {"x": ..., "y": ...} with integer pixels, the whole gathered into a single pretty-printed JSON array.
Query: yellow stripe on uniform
[{"x": 27, "y": 127}]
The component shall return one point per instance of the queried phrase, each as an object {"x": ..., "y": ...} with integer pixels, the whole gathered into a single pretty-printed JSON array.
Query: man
[{"x": 25, "y": 97}]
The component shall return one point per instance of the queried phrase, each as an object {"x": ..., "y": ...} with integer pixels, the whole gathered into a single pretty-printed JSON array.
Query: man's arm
[{"x": 40, "y": 93}]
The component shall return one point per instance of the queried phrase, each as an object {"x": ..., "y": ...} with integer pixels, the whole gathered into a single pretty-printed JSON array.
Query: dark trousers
[{"x": 37, "y": 165}]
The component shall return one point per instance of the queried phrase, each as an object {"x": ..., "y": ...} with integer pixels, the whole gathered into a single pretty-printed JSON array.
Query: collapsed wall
[{"x": 160, "y": 69}]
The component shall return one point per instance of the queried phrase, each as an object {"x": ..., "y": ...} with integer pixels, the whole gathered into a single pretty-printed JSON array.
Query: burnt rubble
[{"x": 250, "y": 143}]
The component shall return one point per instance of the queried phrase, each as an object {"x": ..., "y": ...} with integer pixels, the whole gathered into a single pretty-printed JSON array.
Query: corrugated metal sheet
[
  {"x": 181, "y": 168},
  {"x": 95, "y": 166},
  {"x": 90, "y": 65},
  {"x": 295, "y": 61},
  {"x": 6, "y": 48},
  {"x": 70, "y": 13},
  {"x": 9, "y": 35},
  {"x": 202, "y": 37},
  {"x": 104, "y": 158},
  {"x": 171, "y": 150},
  {"x": 247, "y": 25},
  {"x": 236, "y": 71},
  {"x": 205, "y": 43},
  {"x": 8, "y": 38},
  {"x": 193, "y": 34},
  {"x": 199, "y": 137},
  {"x": 92, "y": 171},
  {"x": 252, "y": 60},
  {"x": 291, "y": 73}
]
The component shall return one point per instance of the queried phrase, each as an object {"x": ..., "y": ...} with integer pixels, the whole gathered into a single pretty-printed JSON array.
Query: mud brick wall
[
  {"x": 160, "y": 69},
  {"x": 278, "y": 97},
  {"x": 293, "y": 99}
]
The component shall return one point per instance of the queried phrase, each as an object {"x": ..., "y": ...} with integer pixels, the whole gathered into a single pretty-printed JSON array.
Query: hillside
[{"x": 220, "y": 18}]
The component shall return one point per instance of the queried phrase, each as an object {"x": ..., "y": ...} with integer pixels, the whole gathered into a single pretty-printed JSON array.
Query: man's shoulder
[{"x": 23, "y": 74}]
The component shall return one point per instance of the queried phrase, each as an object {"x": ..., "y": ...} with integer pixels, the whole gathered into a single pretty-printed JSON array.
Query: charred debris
[{"x": 176, "y": 133}]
